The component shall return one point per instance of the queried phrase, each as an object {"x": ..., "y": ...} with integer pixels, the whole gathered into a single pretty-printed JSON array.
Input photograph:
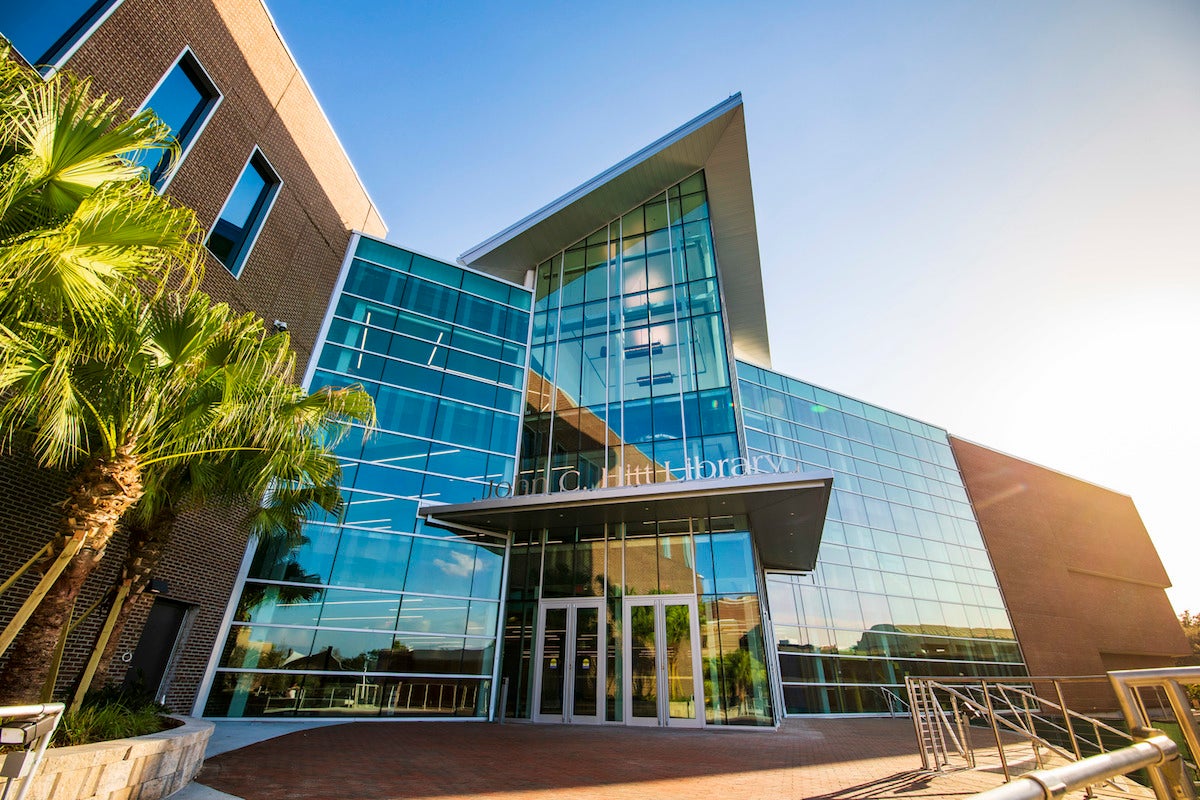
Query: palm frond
[{"x": 73, "y": 145}]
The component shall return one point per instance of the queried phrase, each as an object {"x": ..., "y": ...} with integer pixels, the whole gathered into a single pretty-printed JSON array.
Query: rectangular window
[
  {"x": 184, "y": 99},
  {"x": 46, "y": 33},
  {"x": 242, "y": 218}
]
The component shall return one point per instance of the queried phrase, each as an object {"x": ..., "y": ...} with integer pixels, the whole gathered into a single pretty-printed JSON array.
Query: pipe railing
[
  {"x": 1168, "y": 681},
  {"x": 28, "y": 730},
  {"x": 895, "y": 702},
  {"x": 943, "y": 708},
  {"x": 1157, "y": 753}
]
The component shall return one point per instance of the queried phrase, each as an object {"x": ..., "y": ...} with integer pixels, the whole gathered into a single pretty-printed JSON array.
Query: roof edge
[
  {"x": 317, "y": 101},
  {"x": 551, "y": 208}
]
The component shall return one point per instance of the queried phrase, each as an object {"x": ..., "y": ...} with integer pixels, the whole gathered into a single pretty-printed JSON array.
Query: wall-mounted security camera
[{"x": 280, "y": 325}]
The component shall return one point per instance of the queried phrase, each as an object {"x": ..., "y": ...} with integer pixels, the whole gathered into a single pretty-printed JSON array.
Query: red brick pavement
[{"x": 817, "y": 759}]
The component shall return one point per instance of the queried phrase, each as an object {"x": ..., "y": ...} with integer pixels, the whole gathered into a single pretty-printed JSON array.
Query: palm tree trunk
[
  {"x": 98, "y": 497},
  {"x": 147, "y": 544}
]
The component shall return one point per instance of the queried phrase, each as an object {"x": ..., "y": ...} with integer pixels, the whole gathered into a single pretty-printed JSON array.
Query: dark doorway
[{"x": 153, "y": 654}]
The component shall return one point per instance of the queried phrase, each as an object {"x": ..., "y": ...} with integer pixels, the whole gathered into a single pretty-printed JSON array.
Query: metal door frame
[
  {"x": 659, "y": 602},
  {"x": 571, "y": 604}
]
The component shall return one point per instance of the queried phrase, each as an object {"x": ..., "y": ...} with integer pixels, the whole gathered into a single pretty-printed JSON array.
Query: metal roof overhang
[
  {"x": 786, "y": 512},
  {"x": 714, "y": 141}
]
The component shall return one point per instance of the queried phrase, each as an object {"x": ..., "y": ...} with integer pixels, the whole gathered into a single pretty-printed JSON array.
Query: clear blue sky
[{"x": 985, "y": 215}]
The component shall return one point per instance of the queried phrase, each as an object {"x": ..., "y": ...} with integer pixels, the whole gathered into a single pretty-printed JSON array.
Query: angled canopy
[{"x": 786, "y": 512}]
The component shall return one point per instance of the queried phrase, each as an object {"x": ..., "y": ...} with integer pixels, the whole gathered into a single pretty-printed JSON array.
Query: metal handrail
[
  {"x": 31, "y": 728},
  {"x": 1127, "y": 685},
  {"x": 893, "y": 700},
  {"x": 1157, "y": 752},
  {"x": 1067, "y": 713},
  {"x": 1016, "y": 708},
  {"x": 929, "y": 717}
]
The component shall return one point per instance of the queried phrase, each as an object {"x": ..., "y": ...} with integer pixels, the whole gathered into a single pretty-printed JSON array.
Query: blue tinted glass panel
[
  {"x": 280, "y": 605},
  {"x": 344, "y": 608},
  {"x": 373, "y": 560},
  {"x": 448, "y": 567},
  {"x": 892, "y": 581},
  {"x": 308, "y": 562},
  {"x": 42, "y": 31}
]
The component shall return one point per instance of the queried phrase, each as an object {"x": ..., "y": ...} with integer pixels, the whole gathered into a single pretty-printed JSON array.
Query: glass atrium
[
  {"x": 629, "y": 377},
  {"x": 375, "y": 614}
]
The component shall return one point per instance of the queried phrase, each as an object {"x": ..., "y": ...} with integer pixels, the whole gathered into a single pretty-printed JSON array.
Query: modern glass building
[
  {"x": 377, "y": 613},
  {"x": 903, "y": 583},
  {"x": 590, "y": 499}
]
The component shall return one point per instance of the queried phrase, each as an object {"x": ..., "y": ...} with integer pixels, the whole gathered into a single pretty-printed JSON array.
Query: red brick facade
[
  {"x": 289, "y": 275},
  {"x": 1080, "y": 576}
]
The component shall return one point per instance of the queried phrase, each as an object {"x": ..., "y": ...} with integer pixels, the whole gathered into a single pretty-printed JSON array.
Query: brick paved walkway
[{"x": 818, "y": 759}]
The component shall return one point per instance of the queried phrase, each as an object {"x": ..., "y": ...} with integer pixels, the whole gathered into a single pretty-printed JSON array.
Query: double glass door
[
  {"x": 662, "y": 661},
  {"x": 570, "y": 672}
]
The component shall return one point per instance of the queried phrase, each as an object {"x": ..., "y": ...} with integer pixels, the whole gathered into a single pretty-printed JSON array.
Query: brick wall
[
  {"x": 289, "y": 275},
  {"x": 200, "y": 566},
  {"x": 1081, "y": 578}
]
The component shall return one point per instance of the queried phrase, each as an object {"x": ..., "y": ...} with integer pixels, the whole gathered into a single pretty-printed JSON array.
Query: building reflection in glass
[
  {"x": 710, "y": 558},
  {"x": 903, "y": 584}
]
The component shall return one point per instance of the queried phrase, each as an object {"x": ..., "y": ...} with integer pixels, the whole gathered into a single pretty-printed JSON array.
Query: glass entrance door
[
  {"x": 570, "y": 673},
  {"x": 662, "y": 661}
]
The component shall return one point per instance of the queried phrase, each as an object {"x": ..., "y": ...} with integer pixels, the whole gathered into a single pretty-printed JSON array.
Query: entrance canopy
[{"x": 786, "y": 512}]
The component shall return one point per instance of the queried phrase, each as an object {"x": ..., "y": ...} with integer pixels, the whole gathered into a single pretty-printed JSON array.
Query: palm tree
[
  {"x": 78, "y": 224},
  {"x": 149, "y": 388},
  {"x": 282, "y": 495}
]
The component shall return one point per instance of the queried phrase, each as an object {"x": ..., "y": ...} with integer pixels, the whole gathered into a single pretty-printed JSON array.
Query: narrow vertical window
[
  {"x": 184, "y": 99},
  {"x": 242, "y": 218}
]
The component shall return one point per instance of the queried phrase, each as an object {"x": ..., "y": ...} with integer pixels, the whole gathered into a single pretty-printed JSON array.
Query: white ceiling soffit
[{"x": 714, "y": 141}]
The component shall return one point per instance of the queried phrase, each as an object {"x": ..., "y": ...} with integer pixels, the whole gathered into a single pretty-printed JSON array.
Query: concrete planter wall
[{"x": 143, "y": 768}]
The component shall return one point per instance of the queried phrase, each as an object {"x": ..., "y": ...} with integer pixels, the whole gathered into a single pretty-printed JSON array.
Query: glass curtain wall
[
  {"x": 711, "y": 557},
  {"x": 373, "y": 613},
  {"x": 629, "y": 374},
  {"x": 903, "y": 584}
]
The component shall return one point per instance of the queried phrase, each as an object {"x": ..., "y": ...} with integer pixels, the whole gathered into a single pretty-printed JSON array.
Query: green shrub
[
  {"x": 101, "y": 723},
  {"x": 111, "y": 713}
]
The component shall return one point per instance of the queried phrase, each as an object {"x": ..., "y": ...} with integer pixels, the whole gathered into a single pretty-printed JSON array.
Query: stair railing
[
  {"x": 942, "y": 710},
  {"x": 895, "y": 703}
]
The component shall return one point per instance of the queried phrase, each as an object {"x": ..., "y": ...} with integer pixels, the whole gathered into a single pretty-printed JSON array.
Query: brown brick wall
[
  {"x": 1081, "y": 578},
  {"x": 289, "y": 275},
  {"x": 266, "y": 102}
]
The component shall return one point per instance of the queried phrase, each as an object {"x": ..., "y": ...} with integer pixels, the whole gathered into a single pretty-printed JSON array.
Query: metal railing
[
  {"x": 1129, "y": 686},
  {"x": 28, "y": 731},
  {"x": 895, "y": 703},
  {"x": 944, "y": 708},
  {"x": 1056, "y": 739},
  {"x": 1156, "y": 753}
]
